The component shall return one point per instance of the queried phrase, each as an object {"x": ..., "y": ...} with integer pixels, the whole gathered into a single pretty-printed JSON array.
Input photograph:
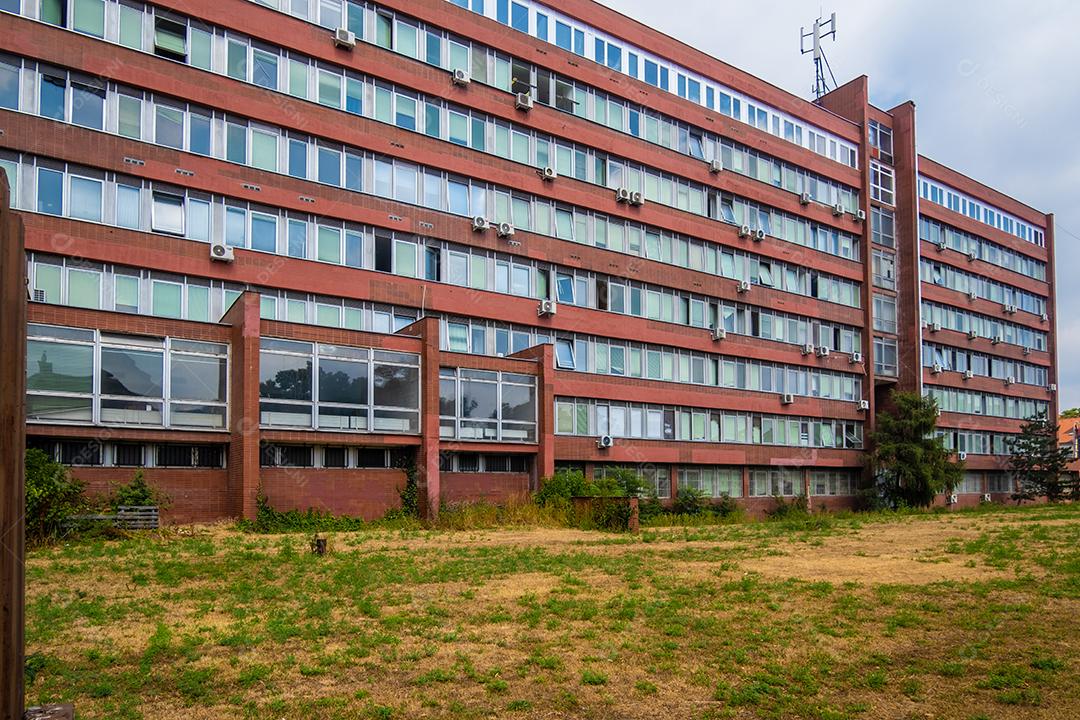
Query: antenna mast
[{"x": 821, "y": 63}]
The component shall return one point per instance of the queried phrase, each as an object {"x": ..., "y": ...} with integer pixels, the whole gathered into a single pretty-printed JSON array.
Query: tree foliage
[
  {"x": 52, "y": 496},
  {"x": 1039, "y": 464},
  {"x": 912, "y": 464},
  {"x": 1071, "y": 413}
]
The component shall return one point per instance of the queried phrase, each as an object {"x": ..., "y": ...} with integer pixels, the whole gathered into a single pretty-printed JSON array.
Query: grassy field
[{"x": 964, "y": 615}]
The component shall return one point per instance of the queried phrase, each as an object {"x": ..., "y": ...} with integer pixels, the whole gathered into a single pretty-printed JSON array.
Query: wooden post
[{"x": 12, "y": 450}]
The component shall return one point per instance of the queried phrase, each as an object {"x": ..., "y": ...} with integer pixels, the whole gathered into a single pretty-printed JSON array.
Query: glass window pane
[
  {"x": 167, "y": 299},
  {"x": 84, "y": 289},
  {"x": 169, "y": 128},
  {"x": 90, "y": 17},
  {"x": 168, "y": 215},
  {"x": 85, "y": 199},
  {"x": 59, "y": 367},
  {"x": 130, "y": 116},
  {"x": 50, "y": 191}
]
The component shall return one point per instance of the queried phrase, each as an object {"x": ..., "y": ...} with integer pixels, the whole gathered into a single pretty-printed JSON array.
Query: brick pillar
[
  {"x": 427, "y": 455},
  {"x": 243, "y": 472},
  {"x": 673, "y": 479},
  {"x": 806, "y": 487},
  {"x": 12, "y": 450},
  {"x": 745, "y": 481},
  {"x": 544, "y": 355}
]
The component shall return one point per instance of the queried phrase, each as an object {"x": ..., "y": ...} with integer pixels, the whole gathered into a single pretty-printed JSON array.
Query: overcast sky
[{"x": 994, "y": 83}]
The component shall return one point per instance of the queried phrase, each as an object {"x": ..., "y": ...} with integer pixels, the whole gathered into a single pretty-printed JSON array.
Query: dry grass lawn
[{"x": 965, "y": 615}]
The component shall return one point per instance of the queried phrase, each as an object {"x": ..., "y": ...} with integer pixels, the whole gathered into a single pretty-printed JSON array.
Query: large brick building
[{"x": 298, "y": 245}]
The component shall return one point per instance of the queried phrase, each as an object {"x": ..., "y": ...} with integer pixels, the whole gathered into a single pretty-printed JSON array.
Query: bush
[
  {"x": 557, "y": 490},
  {"x": 52, "y": 497},
  {"x": 269, "y": 520},
  {"x": 785, "y": 510},
  {"x": 688, "y": 501},
  {"x": 138, "y": 492}
]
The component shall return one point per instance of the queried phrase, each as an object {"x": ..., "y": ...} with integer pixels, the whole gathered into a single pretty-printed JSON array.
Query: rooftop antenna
[{"x": 821, "y": 63}]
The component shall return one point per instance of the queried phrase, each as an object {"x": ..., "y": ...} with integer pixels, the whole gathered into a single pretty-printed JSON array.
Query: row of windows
[
  {"x": 656, "y": 422},
  {"x": 238, "y": 64},
  {"x": 97, "y": 286},
  {"x": 596, "y": 355},
  {"x": 958, "y": 202},
  {"x": 936, "y": 233},
  {"x": 128, "y": 454},
  {"x": 486, "y": 405},
  {"x": 388, "y": 253},
  {"x": 976, "y": 442},
  {"x": 952, "y": 318},
  {"x": 983, "y": 365},
  {"x": 954, "y": 279},
  {"x": 563, "y": 31},
  {"x": 84, "y": 194},
  {"x": 477, "y": 463},
  {"x": 132, "y": 113},
  {"x": 315, "y": 385},
  {"x": 992, "y": 481},
  {"x": 87, "y": 376},
  {"x": 973, "y": 402},
  {"x": 332, "y": 456},
  {"x": 657, "y": 478}
]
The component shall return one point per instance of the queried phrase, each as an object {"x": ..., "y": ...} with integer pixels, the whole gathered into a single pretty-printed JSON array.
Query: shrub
[
  {"x": 784, "y": 510},
  {"x": 52, "y": 496},
  {"x": 564, "y": 484},
  {"x": 138, "y": 492},
  {"x": 269, "y": 520},
  {"x": 688, "y": 501}
]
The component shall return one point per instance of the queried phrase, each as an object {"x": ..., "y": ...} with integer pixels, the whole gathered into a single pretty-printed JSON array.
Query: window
[
  {"x": 9, "y": 85},
  {"x": 170, "y": 39},
  {"x": 487, "y": 405},
  {"x": 168, "y": 214},
  {"x": 51, "y": 103},
  {"x": 884, "y": 270},
  {"x": 883, "y": 227},
  {"x": 89, "y": 17},
  {"x": 881, "y": 138},
  {"x": 77, "y": 375},
  {"x": 882, "y": 182},
  {"x": 885, "y": 361},
  {"x": 50, "y": 191},
  {"x": 88, "y": 106},
  {"x": 885, "y": 313},
  {"x": 169, "y": 127},
  {"x": 85, "y": 199}
]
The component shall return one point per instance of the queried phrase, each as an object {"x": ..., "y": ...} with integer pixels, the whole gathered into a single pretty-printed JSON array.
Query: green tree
[
  {"x": 52, "y": 496},
  {"x": 1038, "y": 463},
  {"x": 1071, "y": 413},
  {"x": 911, "y": 463}
]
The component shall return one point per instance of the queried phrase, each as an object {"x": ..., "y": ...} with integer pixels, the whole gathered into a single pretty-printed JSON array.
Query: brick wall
[{"x": 358, "y": 493}]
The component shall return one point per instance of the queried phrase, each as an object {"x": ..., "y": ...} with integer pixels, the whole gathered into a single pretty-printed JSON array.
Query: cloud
[{"x": 993, "y": 84}]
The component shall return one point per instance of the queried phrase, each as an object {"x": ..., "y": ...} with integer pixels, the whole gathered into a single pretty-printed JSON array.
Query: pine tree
[
  {"x": 1038, "y": 463},
  {"x": 911, "y": 463}
]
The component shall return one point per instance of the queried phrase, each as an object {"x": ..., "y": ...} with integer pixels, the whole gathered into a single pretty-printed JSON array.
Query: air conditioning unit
[
  {"x": 856, "y": 357},
  {"x": 838, "y": 209},
  {"x": 787, "y": 399},
  {"x": 935, "y": 327},
  {"x": 744, "y": 231},
  {"x": 973, "y": 256},
  {"x": 1044, "y": 317},
  {"x": 39, "y": 296},
  {"x": 505, "y": 230},
  {"x": 759, "y": 235},
  {"x": 1009, "y": 309},
  {"x": 636, "y": 198},
  {"x": 716, "y": 166},
  {"x": 622, "y": 195},
  {"x": 941, "y": 245},
  {"x": 719, "y": 333},
  {"x": 986, "y": 497},
  {"x": 969, "y": 374},
  {"x": 961, "y": 456},
  {"x": 936, "y": 369},
  {"x": 549, "y": 173},
  {"x": 996, "y": 340},
  {"x": 1052, "y": 387},
  {"x": 822, "y": 351},
  {"x": 221, "y": 252},
  {"x": 1027, "y": 350},
  {"x": 344, "y": 38},
  {"x": 804, "y": 199},
  {"x": 864, "y": 405},
  {"x": 973, "y": 334},
  {"x": 605, "y": 441},
  {"x": 546, "y": 307},
  {"x": 860, "y": 215},
  {"x": 952, "y": 499},
  {"x": 461, "y": 77},
  {"x": 743, "y": 286},
  {"x": 808, "y": 349},
  {"x": 1010, "y": 380},
  {"x": 973, "y": 295},
  {"x": 523, "y": 101}
]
